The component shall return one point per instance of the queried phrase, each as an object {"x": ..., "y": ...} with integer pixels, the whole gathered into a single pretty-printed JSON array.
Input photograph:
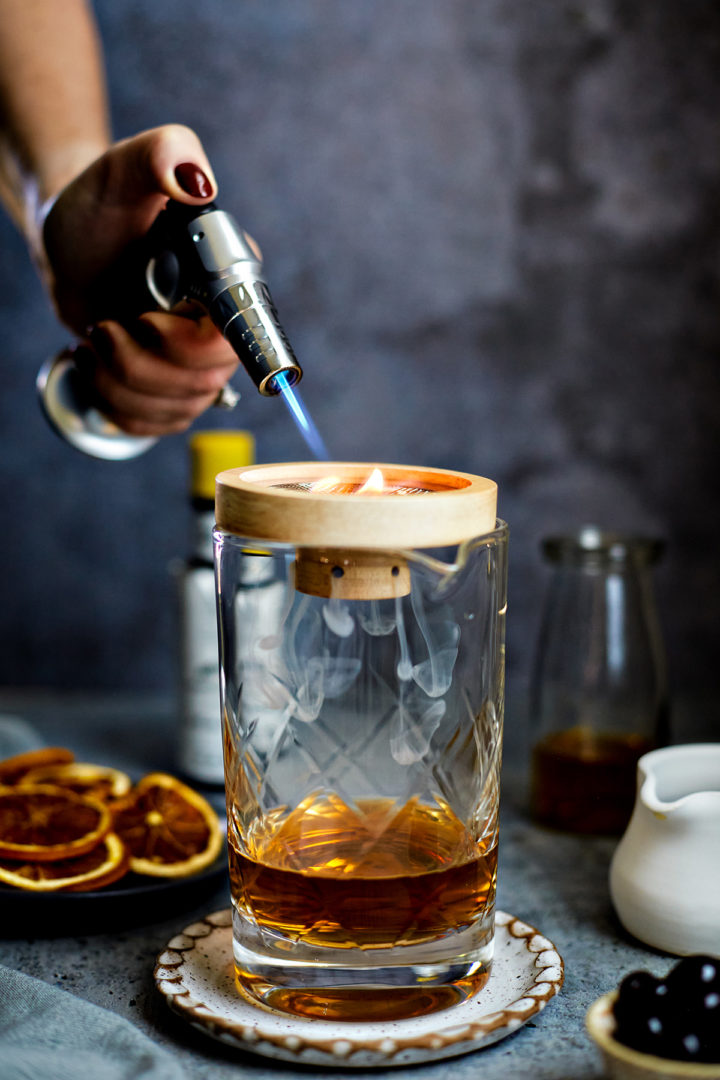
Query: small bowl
[{"x": 622, "y": 1063}]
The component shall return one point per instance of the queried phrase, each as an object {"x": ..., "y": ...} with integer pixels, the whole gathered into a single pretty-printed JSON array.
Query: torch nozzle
[
  {"x": 203, "y": 255},
  {"x": 245, "y": 314}
]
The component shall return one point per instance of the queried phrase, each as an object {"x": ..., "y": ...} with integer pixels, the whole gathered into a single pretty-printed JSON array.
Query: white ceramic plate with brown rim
[{"x": 195, "y": 975}]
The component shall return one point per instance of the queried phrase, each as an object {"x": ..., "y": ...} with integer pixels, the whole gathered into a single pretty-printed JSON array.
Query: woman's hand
[{"x": 153, "y": 372}]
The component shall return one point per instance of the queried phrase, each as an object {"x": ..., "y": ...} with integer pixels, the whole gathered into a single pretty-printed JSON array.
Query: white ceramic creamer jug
[{"x": 665, "y": 873}]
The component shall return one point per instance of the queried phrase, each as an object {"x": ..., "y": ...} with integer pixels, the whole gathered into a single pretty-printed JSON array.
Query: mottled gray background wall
[{"x": 493, "y": 233}]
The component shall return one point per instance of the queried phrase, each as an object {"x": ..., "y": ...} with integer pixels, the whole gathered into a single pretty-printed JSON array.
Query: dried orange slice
[
  {"x": 108, "y": 861},
  {"x": 13, "y": 768},
  {"x": 42, "y": 823},
  {"x": 101, "y": 781},
  {"x": 170, "y": 829}
]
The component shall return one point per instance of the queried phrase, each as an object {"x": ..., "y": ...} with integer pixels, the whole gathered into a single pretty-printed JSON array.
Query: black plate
[{"x": 132, "y": 901}]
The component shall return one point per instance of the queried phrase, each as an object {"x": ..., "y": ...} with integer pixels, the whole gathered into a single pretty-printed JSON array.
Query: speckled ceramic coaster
[{"x": 195, "y": 975}]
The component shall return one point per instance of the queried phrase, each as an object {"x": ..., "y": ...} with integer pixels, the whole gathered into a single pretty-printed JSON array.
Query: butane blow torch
[{"x": 198, "y": 254}]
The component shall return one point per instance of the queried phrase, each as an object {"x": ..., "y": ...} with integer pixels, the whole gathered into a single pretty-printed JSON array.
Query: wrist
[{"x": 42, "y": 189}]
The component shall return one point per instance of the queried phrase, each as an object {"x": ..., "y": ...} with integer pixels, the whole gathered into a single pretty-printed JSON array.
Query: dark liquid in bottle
[{"x": 584, "y": 781}]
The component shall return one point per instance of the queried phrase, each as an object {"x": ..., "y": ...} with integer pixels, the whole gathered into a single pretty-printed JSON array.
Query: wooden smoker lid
[{"x": 276, "y": 502}]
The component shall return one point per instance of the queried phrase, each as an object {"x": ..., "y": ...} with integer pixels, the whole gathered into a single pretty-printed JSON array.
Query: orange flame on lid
[{"x": 375, "y": 483}]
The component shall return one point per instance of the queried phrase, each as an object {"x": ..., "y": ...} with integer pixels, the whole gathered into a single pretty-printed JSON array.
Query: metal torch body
[{"x": 202, "y": 255}]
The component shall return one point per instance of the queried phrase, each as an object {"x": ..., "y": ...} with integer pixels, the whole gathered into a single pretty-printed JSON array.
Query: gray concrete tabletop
[{"x": 553, "y": 881}]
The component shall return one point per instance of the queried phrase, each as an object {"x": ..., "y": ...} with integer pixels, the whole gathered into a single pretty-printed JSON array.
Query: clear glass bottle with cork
[
  {"x": 599, "y": 697},
  {"x": 200, "y": 756}
]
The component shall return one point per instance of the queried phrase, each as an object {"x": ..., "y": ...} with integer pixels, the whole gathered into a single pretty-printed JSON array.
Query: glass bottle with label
[
  {"x": 200, "y": 756},
  {"x": 599, "y": 694}
]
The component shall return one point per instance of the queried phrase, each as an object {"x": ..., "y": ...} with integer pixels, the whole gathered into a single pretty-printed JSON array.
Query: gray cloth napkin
[{"x": 49, "y": 1034}]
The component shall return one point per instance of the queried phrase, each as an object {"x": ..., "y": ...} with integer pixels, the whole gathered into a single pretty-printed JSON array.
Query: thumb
[
  {"x": 164, "y": 161},
  {"x": 174, "y": 163}
]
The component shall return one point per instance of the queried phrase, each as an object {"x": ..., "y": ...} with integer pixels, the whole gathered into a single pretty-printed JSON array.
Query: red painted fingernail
[{"x": 193, "y": 180}]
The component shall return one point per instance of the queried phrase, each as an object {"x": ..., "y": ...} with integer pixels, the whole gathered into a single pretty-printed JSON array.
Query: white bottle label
[
  {"x": 200, "y": 752},
  {"x": 258, "y": 610}
]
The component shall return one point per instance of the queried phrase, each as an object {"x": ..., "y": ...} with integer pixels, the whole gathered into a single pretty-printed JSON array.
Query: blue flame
[{"x": 301, "y": 416}]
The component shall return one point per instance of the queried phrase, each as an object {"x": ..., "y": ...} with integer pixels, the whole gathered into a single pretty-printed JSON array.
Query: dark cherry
[
  {"x": 696, "y": 975},
  {"x": 640, "y": 996},
  {"x": 676, "y": 1017}
]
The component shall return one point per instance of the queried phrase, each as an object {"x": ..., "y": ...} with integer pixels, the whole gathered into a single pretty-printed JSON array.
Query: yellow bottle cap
[{"x": 212, "y": 452}]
